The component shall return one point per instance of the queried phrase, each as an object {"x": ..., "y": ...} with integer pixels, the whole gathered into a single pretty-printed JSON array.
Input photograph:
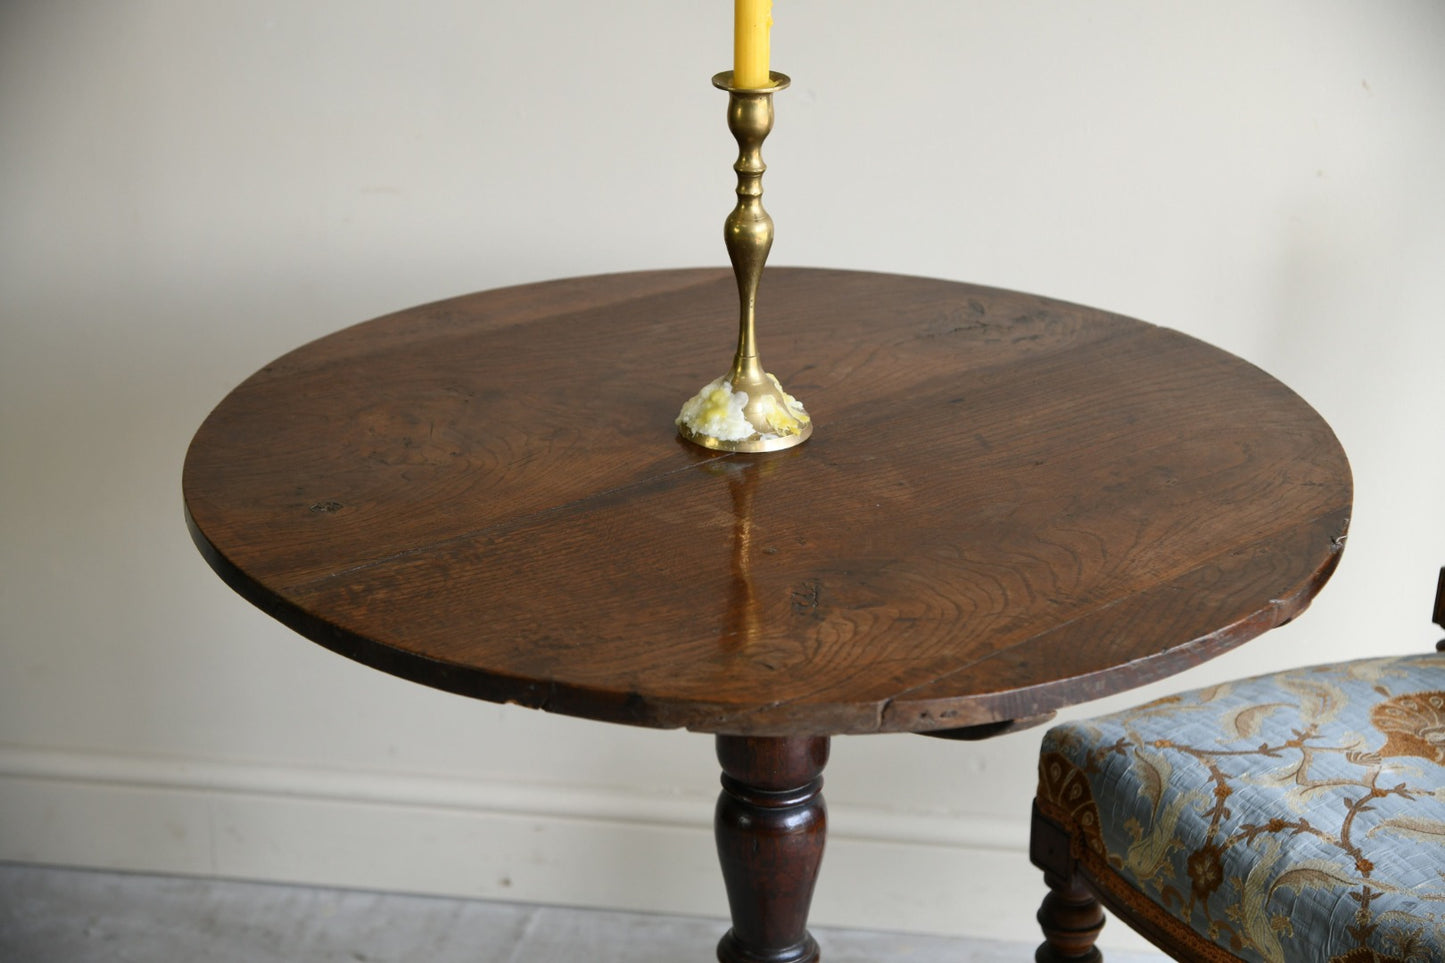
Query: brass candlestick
[{"x": 747, "y": 409}]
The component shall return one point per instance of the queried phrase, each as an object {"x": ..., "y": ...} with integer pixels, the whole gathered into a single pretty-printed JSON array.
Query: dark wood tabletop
[{"x": 1010, "y": 503}]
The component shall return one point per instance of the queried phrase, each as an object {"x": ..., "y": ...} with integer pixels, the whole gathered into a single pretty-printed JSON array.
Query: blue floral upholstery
[{"x": 1291, "y": 817}]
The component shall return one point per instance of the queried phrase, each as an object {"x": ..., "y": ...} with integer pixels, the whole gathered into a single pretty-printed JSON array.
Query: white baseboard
[{"x": 579, "y": 846}]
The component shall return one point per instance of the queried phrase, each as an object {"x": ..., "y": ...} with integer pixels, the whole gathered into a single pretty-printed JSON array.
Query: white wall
[{"x": 189, "y": 189}]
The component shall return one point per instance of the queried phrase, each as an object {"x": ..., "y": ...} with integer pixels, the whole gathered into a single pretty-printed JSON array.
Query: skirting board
[{"x": 576, "y": 846}]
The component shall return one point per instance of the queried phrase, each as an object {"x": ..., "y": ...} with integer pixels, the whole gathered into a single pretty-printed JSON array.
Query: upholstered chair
[{"x": 1296, "y": 817}]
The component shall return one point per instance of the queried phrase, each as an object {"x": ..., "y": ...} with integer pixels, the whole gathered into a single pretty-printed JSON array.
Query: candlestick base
[{"x": 744, "y": 412}]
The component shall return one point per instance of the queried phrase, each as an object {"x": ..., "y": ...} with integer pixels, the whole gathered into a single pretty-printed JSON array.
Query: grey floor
[{"x": 73, "y": 916}]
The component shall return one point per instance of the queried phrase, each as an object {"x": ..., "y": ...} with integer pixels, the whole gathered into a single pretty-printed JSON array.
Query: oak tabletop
[{"x": 1010, "y": 503}]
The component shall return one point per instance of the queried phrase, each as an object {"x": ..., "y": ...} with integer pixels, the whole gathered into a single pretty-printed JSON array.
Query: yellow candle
[{"x": 751, "y": 22}]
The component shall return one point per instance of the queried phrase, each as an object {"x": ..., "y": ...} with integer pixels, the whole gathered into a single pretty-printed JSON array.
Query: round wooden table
[{"x": 1010, "y": 504}]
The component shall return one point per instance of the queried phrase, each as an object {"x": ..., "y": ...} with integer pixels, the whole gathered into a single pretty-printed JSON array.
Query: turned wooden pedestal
[{"x": 771, "y": 822}]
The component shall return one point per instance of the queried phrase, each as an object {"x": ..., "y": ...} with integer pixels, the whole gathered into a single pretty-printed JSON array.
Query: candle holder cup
[{"x": 747, "y": 409}]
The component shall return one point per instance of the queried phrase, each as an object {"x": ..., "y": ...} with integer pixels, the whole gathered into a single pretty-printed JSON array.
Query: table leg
[{"x": 770, "y": 827}]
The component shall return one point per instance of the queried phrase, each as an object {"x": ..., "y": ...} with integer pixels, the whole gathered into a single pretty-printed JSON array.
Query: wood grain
[{"x": 1011, "y": 503}]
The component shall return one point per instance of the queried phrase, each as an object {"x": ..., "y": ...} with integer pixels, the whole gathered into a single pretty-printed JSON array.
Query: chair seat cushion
[{"x": 1298, "y": 816}]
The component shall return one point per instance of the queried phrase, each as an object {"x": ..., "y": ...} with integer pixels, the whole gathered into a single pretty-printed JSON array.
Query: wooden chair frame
[{"x": 1080, "y": 887}]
